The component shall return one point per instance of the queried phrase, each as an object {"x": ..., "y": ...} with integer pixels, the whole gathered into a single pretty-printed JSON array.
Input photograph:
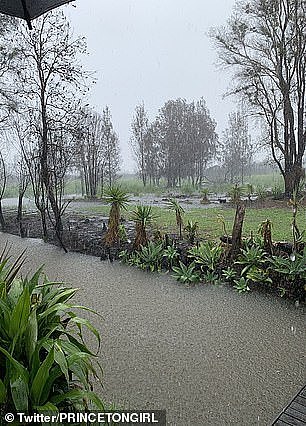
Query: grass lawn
[{"x": 210, "y": 226}]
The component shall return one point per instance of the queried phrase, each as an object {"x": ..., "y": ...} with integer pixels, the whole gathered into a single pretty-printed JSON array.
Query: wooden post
[{"x": 237, "y": 231}]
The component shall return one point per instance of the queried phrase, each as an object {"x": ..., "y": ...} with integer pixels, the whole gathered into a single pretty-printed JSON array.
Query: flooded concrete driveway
[{"x": 207, "y": 355}]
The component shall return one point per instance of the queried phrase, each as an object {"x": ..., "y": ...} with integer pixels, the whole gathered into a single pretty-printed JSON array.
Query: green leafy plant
[
  {"x": 44, "y": 362},
  {"x": 191, "y": 229},
  {"x": 258, "y": 275},
  {"x": 122, "y": 233},
  {"x": 186, "y": 273},
  {"x": 143, "y": 217},
  {"x": 207, "y": 255},
  {"x": 229, "y": 274},
  {"x": 179, "y": 211},
  {"x": 118, "y": 199},
  {"x": 241, "y": 285},
  {"x": 292, "y": 268},
  {"x": 150, "y": 256},
  {"x": 134, "y": 260},
  {"x": 211, "y": 277},
  {"x": 171, "y": 254},
  {"x": 250, "y": 257},
  {"x": 277, "y": 191},
  {"x": 124, "y": 256},
  {"x": 261, "y": 192}
]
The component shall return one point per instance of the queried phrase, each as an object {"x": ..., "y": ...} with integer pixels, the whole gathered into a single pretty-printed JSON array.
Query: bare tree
[
  {"x": 265, "y": 44},
  {"x": 89, "y": 149},
  {"x": 48, "y": 81},
  {"x": 97, "y": 148},
  {"x": 23, "y": 178},
  {"x": 139, "y": 140},
  {"x": 8, "y": 60},
  {"x": 111, "y": 150},
  {"x": 237, "y": 149}
]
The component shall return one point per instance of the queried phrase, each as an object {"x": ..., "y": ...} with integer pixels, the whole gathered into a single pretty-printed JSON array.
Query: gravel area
[{"x": 207, "y": 355}]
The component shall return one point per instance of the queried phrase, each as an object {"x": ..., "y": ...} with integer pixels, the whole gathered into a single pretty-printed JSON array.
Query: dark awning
[{"x": 29, "y": 9}]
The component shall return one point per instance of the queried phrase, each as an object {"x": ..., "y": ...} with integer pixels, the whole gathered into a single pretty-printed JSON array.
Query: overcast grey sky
[{"x": 152, "y": 51}]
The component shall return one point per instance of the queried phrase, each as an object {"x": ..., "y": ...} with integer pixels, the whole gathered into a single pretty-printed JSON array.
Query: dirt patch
[{"x": 81, "y": 234}]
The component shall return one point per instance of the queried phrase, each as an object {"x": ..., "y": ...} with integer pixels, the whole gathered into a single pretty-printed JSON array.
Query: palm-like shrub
[
  {"x": 44, "y": 361},
  {"x": 118, "y": 199},
  {"x": 179, "y": 211},
  {"x": 205, "y": 193},
  {"x": 143, "y": 217},
  {"x": 235, "y": 193}
]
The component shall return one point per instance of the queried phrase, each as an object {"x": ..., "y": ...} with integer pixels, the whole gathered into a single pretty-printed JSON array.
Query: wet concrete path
[{"x": 207, "y": 354}]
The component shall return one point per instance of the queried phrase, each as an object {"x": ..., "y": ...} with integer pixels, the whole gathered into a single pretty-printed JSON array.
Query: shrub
[
  {"x": 241, "y": 285},
  {"x": 186, "y": 273},
  {"x": 150, "y": 256},
  {"x": 235, "y": 194},
  {"x": 207, "y": 255},
  {"x": 251, "y": 257},
  {"x": 261, "y": 192},
  {"x": 118, "y": 199},
  {"x": 44, "y": 361},
  {"x": 292, "y": 268},
  {"x": 171, "y": 254},
  {"x": 179, "y": 211},
  {"x": 191, "y": 229},
  {"x": 142, "y": 216}
]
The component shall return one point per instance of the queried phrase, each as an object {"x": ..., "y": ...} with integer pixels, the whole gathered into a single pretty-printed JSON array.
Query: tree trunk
[
  {"x": 2, "y": 221},
  {"x": 19, "y": 215},
  {"x": 44, "y": 224},
  {"x": 237, "y": 231},
  {"x": 292, "y": 179}
]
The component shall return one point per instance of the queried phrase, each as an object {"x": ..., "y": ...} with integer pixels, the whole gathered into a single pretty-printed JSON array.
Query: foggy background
[{"x": 151, "y": 51}]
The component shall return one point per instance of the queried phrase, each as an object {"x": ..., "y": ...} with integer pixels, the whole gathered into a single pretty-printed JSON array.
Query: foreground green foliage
[{"x": 44, "y": 362}]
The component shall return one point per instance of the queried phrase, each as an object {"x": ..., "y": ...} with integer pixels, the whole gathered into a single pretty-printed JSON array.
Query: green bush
[
  {"x": 44, "y": 362},
  {"x": 186, "y": 273},
  {"x": 207, "y": 255},
  {"x": 292, "y": 268},
  {"x": 150, "y": 256}
]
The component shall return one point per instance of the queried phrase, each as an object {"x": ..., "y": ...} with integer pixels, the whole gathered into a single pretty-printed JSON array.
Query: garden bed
[{"x": 85, "y": 234}]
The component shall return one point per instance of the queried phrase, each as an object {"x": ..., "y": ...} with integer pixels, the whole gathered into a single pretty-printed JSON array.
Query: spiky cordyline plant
[
  {"x": 118, "y": 199},
  {"x": 142, "y": 216},
  {"x": 179, "y": 211}
]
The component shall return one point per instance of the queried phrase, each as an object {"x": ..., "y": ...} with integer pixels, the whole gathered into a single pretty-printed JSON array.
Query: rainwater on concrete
[{"x": 207, "y": 355}]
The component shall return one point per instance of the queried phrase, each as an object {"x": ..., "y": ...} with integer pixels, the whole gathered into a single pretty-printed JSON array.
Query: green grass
[{"x": 211, "y": 228}]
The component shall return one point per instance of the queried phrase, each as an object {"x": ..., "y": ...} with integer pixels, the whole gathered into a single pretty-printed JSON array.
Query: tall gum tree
[{"x": 264, "y": 43}]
